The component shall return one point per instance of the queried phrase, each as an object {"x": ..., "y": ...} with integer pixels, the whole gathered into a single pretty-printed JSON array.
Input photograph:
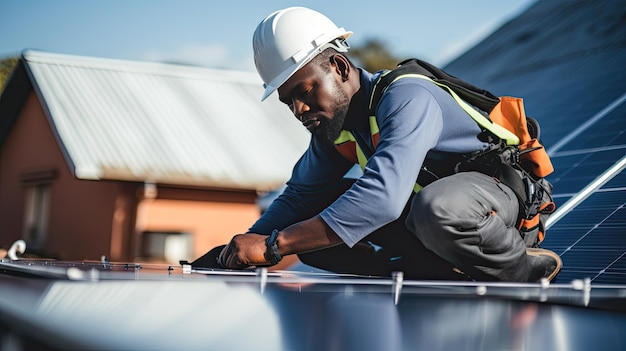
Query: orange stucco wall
[{"x": 211, "y": 223}]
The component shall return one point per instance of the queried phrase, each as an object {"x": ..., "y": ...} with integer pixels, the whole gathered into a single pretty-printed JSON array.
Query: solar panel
[
  {"x": 589, "y": 232},
  {"x": 582, "y": 155},
  {"x": 575, "y": 88},
  {"x": 57, "y": 305}
]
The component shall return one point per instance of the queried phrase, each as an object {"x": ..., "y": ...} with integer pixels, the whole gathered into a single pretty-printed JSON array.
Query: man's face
[{"x": 317, "y": 99}]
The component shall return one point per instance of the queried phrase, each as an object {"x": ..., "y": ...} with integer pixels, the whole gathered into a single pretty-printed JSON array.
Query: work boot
[{"x": 543, "y": 264}]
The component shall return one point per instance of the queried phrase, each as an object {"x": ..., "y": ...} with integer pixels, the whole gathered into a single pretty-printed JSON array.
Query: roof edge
[
  {"x": 166, "y": 69},
  {"x": 13, "y": 98}
]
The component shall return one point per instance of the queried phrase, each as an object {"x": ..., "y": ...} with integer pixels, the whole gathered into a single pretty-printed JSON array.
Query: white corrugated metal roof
[{"x": 166, "y": 123}]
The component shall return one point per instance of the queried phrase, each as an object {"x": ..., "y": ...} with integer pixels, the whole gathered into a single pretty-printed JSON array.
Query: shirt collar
[{"x": 358, "y": 111}]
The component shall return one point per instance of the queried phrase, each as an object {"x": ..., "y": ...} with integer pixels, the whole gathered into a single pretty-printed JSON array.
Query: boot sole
[{"x": 544, "y": 252}]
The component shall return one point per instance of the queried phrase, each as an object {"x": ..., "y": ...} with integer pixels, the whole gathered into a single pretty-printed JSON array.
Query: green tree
[
  {"x": 374, "y": 55},
  {"x": 6, "y": 67}
]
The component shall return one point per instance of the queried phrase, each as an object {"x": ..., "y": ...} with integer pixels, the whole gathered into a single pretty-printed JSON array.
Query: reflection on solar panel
[
  {"x": 55, "y": 305},
  {"x": 589, "y": 230}
]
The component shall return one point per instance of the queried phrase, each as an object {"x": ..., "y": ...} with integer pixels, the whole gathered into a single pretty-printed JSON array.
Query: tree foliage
[
  {"x": 374, "y": 55},
  {"x": 6, "y": 67}
]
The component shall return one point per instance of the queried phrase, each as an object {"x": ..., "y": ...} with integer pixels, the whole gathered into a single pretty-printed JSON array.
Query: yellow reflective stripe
[
  {"x": 346, "y": 136},
  {"x": 343, "y": 137},
  {"x": 360, "y": 156},
  {"x": 498, "y": 130},
  {"x": 417, "y": 188},
  {"x": 374, "y": 88},
  {"x": 373, "y": 126}
]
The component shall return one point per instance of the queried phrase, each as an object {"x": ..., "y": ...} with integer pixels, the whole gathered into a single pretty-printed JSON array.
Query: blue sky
[{"x": 218, "y": 33}]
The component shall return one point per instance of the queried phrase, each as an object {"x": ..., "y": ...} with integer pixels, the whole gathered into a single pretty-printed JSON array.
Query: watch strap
[{"x": 272, "y": 253}]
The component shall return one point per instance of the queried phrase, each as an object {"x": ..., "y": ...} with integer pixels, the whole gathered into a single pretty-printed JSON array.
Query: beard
[{"x": 331, "y": 127}]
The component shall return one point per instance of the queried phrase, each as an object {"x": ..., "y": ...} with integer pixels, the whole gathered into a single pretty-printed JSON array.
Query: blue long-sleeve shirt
[{"x": 416, "y": 119}]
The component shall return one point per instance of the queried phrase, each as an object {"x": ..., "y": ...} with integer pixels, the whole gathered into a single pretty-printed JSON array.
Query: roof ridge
[{"x": 144, "y": 67}]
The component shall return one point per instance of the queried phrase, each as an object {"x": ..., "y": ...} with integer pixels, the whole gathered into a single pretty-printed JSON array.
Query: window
[
  {"x": 170, "y": 247},
  {"x": 36, "y": 215}
]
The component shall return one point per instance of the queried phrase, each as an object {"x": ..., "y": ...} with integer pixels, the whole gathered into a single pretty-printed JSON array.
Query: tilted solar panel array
[
  {"x": 591, "y": 237},
  {"x": 567, "y": 59}
]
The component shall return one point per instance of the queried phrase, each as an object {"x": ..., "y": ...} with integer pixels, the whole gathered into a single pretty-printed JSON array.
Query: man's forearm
[{"x": 308, "y": 235}]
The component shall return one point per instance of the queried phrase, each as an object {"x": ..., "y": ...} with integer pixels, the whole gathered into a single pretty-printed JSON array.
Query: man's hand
[{"x": 243, "y": 251}]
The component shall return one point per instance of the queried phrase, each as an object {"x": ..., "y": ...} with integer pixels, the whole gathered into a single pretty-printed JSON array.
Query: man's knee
[
  {"x": 431, "y": 207},
  {"x": 460, "y": 197},
  {"x": 444, "y": 212}
]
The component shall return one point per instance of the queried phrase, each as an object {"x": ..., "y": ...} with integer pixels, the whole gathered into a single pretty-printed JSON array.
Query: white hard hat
[{"x": 288, "y": 39}]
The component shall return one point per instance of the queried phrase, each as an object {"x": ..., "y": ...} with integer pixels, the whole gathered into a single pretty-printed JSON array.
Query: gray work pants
[
  {"x": 464, "y": 221},
  {"x": 469, "y": 219}
]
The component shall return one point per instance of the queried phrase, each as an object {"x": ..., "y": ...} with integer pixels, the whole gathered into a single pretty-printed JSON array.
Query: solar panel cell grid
[
  {"x": 617, "y": 183},
  {"x": 591, "y": 239}
]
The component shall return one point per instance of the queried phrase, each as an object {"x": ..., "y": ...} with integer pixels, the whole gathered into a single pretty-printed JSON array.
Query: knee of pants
[
  {"x": 425, "y": 211},
  {"x": 460, "y": 200},
  {"x": 439, "y": 206},
  {"x": 422, "y": 218}
]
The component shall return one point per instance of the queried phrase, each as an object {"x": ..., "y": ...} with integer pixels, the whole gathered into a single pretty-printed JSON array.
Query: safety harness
[{"x": 514, "y": 157}]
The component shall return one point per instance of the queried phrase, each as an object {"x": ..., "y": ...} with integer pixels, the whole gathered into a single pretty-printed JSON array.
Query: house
[{"x": 133, "y": 160}]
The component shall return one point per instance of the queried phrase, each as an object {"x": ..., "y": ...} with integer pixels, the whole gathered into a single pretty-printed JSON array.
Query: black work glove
[{"x": 209, "y": 259}]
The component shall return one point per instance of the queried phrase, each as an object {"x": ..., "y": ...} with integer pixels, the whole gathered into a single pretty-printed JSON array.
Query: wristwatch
[{"x": 271, "y": 253}]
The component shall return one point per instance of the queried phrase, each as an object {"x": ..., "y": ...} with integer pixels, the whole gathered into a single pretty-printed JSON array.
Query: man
[{"x": 461, "y": 226}]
